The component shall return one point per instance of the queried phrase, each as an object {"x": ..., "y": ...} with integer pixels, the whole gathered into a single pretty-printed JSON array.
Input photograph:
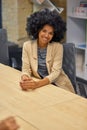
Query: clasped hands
[{"x": 27, "y": 83}]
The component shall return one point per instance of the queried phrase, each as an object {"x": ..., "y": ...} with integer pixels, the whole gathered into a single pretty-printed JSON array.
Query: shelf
[
  {"x": 82, "y": 74},
  {"x": 77, "y": 33},
  {"x": 82, "y": 47},
  {"x": 77, "y": 16}
]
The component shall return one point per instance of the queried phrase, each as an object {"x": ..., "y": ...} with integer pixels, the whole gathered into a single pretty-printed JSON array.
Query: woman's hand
[
  {"x": 28, "y": 84},
  {"x": 9, "y": 124}
]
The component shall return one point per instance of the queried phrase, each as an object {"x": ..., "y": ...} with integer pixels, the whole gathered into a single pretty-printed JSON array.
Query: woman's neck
[{"x": 41, "y": 45}]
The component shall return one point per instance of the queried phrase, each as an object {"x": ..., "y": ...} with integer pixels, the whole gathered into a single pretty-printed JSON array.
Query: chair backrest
[
  {"x": 3, "y": 35},
  {"x": 4, "y": 55},
  {"x": 69, "y": 64}
]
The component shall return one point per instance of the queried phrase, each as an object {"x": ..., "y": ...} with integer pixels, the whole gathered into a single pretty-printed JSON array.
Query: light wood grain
[{"x": 46, "y": 108}]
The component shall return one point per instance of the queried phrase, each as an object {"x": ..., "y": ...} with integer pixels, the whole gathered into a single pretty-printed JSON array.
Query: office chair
[
  {"x": 5, "y": 49},
  {"x": 4, "y": 54},
  {"x": 69, "y": 64},
  {"x": 4, "y": 57}
]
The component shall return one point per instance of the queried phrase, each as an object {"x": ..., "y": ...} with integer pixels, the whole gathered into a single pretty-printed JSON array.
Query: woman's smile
[{"x": 45, "y": 35}]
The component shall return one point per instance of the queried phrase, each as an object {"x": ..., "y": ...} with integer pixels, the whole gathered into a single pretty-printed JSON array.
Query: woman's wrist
[{"x": 43, "y": 82}]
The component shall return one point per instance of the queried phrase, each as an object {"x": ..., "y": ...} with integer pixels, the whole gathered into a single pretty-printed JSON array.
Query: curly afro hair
[{"x": 37, "y": 20}]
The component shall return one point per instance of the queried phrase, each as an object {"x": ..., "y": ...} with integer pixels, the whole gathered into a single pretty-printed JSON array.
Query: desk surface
[{"x": 46, "y": 108}]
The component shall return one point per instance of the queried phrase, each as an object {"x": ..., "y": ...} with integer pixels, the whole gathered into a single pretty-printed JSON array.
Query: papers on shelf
[
  {"x": 80, "y": 11},
  {"x": 81, "y": 46}
]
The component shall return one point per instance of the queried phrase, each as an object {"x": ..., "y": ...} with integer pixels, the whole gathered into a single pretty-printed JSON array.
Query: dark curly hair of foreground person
[{"x": 37, "y": 20}]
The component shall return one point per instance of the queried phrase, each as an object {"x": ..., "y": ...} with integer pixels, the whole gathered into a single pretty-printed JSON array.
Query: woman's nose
[{"x": 46, "y": 34}]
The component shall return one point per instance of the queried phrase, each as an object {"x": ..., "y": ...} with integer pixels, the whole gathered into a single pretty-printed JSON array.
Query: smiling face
[{"x": 45, "y": 36}]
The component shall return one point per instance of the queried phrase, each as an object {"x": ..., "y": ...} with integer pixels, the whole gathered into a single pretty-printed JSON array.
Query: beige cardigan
[{"x": 53, "y": 61}]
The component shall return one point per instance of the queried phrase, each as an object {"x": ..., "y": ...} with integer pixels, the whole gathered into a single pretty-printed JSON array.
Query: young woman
[{"x": 42, "y": 56}]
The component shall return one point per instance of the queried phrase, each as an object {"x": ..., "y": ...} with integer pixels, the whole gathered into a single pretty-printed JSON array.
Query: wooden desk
[{"x": 46, "y": 108}]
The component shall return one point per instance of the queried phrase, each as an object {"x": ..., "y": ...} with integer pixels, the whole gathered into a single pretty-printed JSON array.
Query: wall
[
  {"x": 61, "y": 3},
  {"x": 14, "y": 14},
  {"x": 24, "y": 10}
]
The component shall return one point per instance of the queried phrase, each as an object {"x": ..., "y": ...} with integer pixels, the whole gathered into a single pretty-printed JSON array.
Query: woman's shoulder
[
  {"x": 56, "y": 44},
  {"x": 29, "y": 42}
]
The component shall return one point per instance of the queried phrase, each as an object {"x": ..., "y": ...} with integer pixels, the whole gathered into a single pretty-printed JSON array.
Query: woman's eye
[
  {"x": 50, "y": 33},
  {"x": 44, "y": 30}
]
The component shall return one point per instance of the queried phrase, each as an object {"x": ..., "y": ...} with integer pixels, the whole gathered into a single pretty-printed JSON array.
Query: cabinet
[{"x": 77, "y": 33}]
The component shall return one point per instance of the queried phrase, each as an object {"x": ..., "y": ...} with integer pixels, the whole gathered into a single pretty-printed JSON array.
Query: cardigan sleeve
[
  {"x": 56, "y": 67},
  {"x": 26, "y": 69}
]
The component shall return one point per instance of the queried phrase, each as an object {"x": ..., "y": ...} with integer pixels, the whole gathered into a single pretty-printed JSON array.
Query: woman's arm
[
  {"x": 56, "y": 66},
  {"x": 30, "y": 83},
  {"x": 26, "y": 70}
]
